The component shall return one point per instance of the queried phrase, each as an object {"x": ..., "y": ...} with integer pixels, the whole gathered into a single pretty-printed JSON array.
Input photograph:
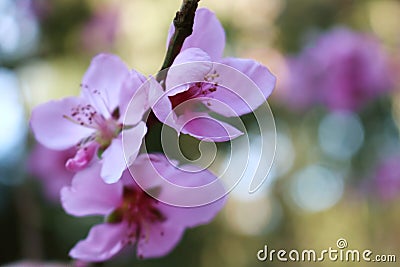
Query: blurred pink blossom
[
  {"x": 342, "y": 69},
  {"x": 132, "y": 216},
  {"x": 48, "y": 166},
  {"x": 386, "y": 181},
  {"x": 41, "y": 8},
  {"x": 100, "y": 31},
  {"x": 32, "y": 263},
  {"x": 26, "y": 263}
]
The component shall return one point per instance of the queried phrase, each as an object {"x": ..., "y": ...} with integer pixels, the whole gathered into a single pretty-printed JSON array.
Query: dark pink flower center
[
  {"x": 196, "y": 90},
  {"x": 105, "y": 129},
  {"x": 140, "y": 207},
  {"x": 139, "y": 210}
]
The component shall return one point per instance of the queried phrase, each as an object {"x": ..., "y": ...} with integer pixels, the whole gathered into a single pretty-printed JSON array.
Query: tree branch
[{"x": 183, "y": 23}]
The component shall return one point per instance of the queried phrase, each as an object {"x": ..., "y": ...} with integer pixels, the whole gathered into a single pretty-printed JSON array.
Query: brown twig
[{"x": 183, "y": 23}]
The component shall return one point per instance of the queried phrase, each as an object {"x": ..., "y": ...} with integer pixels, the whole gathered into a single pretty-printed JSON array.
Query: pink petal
[
  {"x": 130, "y": 89},
  {"x": 191, "y": 65},
  {"x": 208, "y": 34},
  {"x": 52, "y": 129},
  {"x": 103, "y": 241},
  {"x": 113, "y": 162},
  {"x": 185, "y": 186},
  {"x": 148, "y": 165},
  {"x": 157, "y": 99},
  {"x": 155, "y": 90},
  {"x": 103, "y": 81},
  {"x": 89, "y": 195},
  {"x": 226, "y": 102},
  {"x": 82, "y": 158},
  {"x": 204, "y": 127},
  {"x": 160, "y": 240},
  {"x": 132, "y": 141},
  {"x": 192, "y": 216},
  {"x": 162, "y": 106},
  {"x": 137, "y": 104},
  {"x": 48, "y": 166},
  {"x": 247, "y": 85},
  {"x": 122, "y": 152}
]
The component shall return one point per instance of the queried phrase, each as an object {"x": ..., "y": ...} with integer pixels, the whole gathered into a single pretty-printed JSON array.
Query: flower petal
[
  {"x": 52, "y": 129},
  {"x": 82, "y": 158},
  {"x": 165, "y": 173},
  {"x": 208, "y": 34},
  {"x": 204, "y": 127},
  {"x": 48, "y": 166},
  {"x": 138, "y": 104},
  {"x": 129, "y": 92},
  {"x": 162, "y": 106},
  {"x": 89, "y": 195},
  {"x": 103, "y": 241},
  {"x": 184, "y": 186},
  {"x": 132, "y": 141},
  {"x": 160, "y": 240},
  {"x": 121, "y": 153},
  {"x": 192, "y": 216},
  {"x": 146, "y": 171},
  {"x": 244, "y": 87},
  {"x": 103, "y": 82},
  {"x": 191, "y": 65},
  {"x": 113, "y": 162}
]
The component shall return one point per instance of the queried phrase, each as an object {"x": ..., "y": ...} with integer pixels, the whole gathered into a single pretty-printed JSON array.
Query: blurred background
[{"x": 336, "y": 108}]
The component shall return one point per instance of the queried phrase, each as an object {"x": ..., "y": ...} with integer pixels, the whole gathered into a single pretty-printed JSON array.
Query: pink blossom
[
  {"x": 100, "y": 31},
  {"x": 387, "y": 177},
  {"x": 40, "y": 8},
  {"x": 132, "y": 216},
  {"x": 48, "y": 166},
  {"x": 197, "y": 77},
  {"x": 341, "y": 69},
  {"x": 94, "y": 121}
]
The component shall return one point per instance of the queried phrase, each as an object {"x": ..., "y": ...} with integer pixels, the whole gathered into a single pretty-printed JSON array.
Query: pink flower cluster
[
  {"x": 104, "y": 127},
  {"x": 341, "y": 70}
]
